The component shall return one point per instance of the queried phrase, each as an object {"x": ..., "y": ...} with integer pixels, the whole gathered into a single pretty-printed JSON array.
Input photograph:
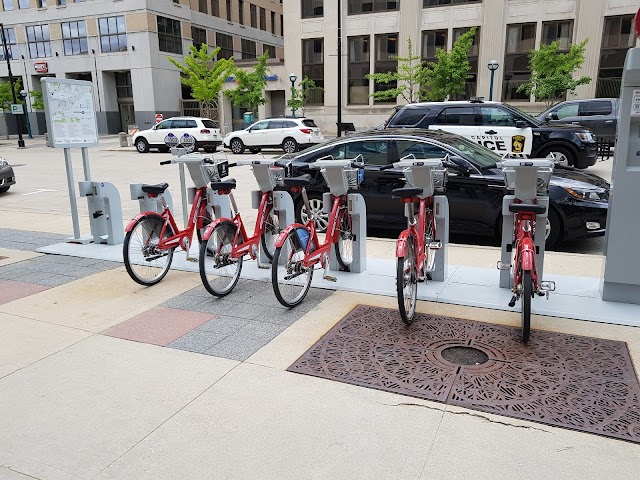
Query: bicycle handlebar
[{"x": 166, "y": 162}]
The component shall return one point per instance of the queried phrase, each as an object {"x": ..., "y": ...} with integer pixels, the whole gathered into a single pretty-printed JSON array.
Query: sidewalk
[{"x": 100, "y": 378}]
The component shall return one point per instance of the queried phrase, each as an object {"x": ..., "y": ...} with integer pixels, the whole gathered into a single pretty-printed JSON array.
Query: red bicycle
[
  {"x": 526, "y": 282},
  {"x": 297, "y": 248},
  {"x": 417, "y": 245},
  {"x": 225, "y": 241},
  {"x": 151, "y": 238}
]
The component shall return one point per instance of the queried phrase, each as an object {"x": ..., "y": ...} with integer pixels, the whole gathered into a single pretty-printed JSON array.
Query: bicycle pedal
[
  {"x": 437, "y": 245},
  {"x": 503, "y": 266},
  {"x": 264, "y": 267},
  {"x": 329, "y": 278},
  {"x": 548, "y": 286},
  {"x": 192, "y": 259},
  {"x": 512, "y": 302}
]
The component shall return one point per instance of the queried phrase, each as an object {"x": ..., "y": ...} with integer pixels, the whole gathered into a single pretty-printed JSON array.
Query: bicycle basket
[
  {"x": 203, "y": 174},
  {"x": 429, "y": 179},
  {"x": 353, "y": 177},
  {"x": 542, "y": 180}
]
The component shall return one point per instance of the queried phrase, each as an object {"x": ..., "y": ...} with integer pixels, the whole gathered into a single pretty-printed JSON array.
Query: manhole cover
[
  {"x": 582, "y": 383},
  {"x": 464, "y": 356}
]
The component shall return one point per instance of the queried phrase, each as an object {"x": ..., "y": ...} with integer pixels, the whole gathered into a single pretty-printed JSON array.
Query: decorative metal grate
[{"x": 581, "y": 383}]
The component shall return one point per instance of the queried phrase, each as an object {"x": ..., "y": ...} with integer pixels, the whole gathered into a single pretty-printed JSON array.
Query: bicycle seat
[
  {"x": 228, "y": 184},
  {"x": 527, "y": 208},
  {"x": 406, "y": 192},
  {"x": 157, "y": 189},
  {"x": 300, "y": 181}
]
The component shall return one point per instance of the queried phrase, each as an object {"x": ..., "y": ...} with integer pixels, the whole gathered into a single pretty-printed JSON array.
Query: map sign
[{"x": 71, "y": 116}]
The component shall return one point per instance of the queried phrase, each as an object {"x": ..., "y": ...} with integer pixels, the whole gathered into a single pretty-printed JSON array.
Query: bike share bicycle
[
  {"x": 416, "y": 246},
  {"x": 529, "y": 179},
  {"x": 225, "y": 241},
  {"x": 297, "y": 248},
  {"x": 152, "y": 237}
]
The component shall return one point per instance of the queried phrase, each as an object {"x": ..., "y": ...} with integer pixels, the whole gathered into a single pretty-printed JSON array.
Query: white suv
[
  {"x": 205, "y": 132},
  {"x": 286, "y": 133}
]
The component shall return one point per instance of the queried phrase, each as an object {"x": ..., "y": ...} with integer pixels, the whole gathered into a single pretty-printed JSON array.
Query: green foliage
[
  {"x": 251, "y": 84},
  {"x": 407, "y": 76},
  {"x": 449, "y": 74},
  {"x": 6, "y": 99},
  {"x": 203, "y": 73},
  {"x": 300, "y": 95},
  {"x": 552, "y": 72},
  {"x": 36, "y": 100}
]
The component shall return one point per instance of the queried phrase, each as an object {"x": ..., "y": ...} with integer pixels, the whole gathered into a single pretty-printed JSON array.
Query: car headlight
[
  {"x": 585, "y": 136},
  {"x": 591, "y": 195},
  {"x": 3, "y": 163}
]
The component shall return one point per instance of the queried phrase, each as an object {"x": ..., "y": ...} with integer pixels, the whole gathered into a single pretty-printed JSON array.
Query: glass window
[
  {"x": 260, "y": 126},
  {"x": 263, "y": 19},
  {"x": 199, "y": 36},
  {"x": 22, "y": 4},
  {"x": 12, "y": 44},
  {"x": 276, "y": 124},
  {"x": 74, "y": 38},
  {"x": 431, "y": 41},
  {"x": 312, "y": 8},
  {"x": 248, "y": 48},
  {"x": 38, "y": 40},
  {"x": 521, "y": 39},
  {"x": 190, "y": 124},
  {"x": 113, "y": 35},
  {"x": 386, "y": 51},
  {"x": 307, "y": 123},
  {"x": 169, "y": 35},
  {"x": 496, "y": 116},
  {"x": 358, "y": 93},
  {"x": 409, "y": 117},
  {"x": 273, "y": 22},
  {"x": 253, "y": 15},
  {"x": 167, "y": 124},
  {"x": 457, "y": 116},
  {"x": 568, "y": 110},
  {"x": 228, "y": 10},
  {"x": 561, "y": 32},
  {"x": 7, "y": 5},
  {"x": 369, "y": 6},
  {"x": 225, "y": 42},
  {"x": 313, "y": 68},
  {"x": 123, "y": 85},
  {"x": 420, "y": 150},
  {"x": 241, "y": 12},
  {"x": 373, "y": 152},
  {"x": 202, "y": 6},
  {"x": 270, "y": 49},
  {"x": 470, "y": 87},
  {"x": 215, "y": 8},
  {"x": 434, "y": 3},
  {"x": 617, "y": 38},
  {"x": 595, "y": 108}
]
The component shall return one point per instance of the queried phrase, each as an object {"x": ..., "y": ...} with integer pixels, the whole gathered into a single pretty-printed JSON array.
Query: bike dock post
[
  {"x": 441, "y": 214},
  {"x": 525, "y": 189},
  {"x": 149, "y": 204},
  {"x": 358, "y": 211},
  {"x": 105, "y": 212}
]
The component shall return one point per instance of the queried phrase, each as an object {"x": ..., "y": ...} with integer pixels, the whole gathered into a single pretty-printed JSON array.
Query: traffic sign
[
  {"x": 159, "y": 117},
  {"x": 16, "y": 109}
]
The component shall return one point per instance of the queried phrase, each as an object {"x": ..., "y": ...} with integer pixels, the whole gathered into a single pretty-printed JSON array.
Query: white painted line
[{"x": 39, "y": 190}]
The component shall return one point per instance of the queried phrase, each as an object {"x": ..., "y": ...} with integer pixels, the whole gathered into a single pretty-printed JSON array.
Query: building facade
[
  {"x": 122, "y": 47},
  {"x": 374, "y": 31}
]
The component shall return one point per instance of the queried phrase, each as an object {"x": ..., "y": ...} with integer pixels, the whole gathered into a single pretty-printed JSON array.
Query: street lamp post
[
  {"x": 492, "y": 66},
  {"x": 24, "y": 94},
  {"x": 293, "y": 77},
  {"x": 11, "y": 84}
]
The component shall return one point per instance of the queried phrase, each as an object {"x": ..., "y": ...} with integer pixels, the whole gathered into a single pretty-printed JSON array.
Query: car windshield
[
  {"x": 481, "y": 155},
  {"x": 531, "y": 119}
]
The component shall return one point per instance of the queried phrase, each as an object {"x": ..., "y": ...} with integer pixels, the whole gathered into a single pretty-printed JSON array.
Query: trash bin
[
  {"x": 248, "y": 118},
  {"x": 124, "y": 139}
]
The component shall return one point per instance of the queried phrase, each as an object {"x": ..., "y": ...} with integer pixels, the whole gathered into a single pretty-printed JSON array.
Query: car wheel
[
  {"x": 142, "y": 145},
  {"x": 255, "y": 150},
  {"x": 561, "y": 155},
  {"x": 315, "y": 204},
  {"x": 163, "y": 149},
  {"x": 5, "y": 189},
  {"x": 210, "y": 149},
  {"x": 552, "y": 232},
  {"x": 236, "y": 145},
  {"x": 289, "y": 145}
]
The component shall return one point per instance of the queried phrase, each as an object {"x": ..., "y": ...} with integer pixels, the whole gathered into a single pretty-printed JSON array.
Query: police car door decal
[{"x": 499, "y": 133}]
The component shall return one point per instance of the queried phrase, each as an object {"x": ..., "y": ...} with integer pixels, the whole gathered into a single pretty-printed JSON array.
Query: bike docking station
[
  {"x": 71, "y": 123},
  {"x": 269, "y": 174},
  {"x": 340, "y": 181},
  {"x": 528, "y": 179}
]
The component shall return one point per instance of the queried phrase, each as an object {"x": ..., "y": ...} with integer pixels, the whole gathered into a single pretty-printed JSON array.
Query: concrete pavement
[{"x": 79, "y": 400}]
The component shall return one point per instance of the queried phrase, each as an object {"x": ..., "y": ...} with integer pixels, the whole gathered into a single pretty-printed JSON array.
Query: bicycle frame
[
  {"x": 525, "y": 254},
  {"x": 315, "y": 253},
  {"x": 418, "y": 232}
]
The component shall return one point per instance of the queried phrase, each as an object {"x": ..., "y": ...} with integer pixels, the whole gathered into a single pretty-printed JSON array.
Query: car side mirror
[
  {"x": 552, "y": 116},
  {"x": 521, "y": 124},
  {"x": 459, "y": 165}
]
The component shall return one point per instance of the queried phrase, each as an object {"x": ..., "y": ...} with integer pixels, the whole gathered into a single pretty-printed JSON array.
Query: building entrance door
[{"x": 127, "y": 115}]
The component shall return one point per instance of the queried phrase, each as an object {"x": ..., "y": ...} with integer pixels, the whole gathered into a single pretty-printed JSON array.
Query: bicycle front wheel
[
  {"x": 344, "y": 246},
  {"x": 527, "y": 295},
  {"x": 407, "y": 282},
  {"x": 429, "y": 236},
  {"x": 146, "y": 264},
  {"x": 202, "y": 222},
  {"x": 220, "y": 272},
  {"x": 290, "y": 278},
  {"x": 270, "y": 233}
]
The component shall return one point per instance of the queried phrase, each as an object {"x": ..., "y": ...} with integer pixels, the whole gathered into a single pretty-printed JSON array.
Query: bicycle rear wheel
[
  {"x": 270, "y": 233},
  {"x": 429, "y": 236},
  {"x": 344, "y": 247},
  {"x": 146, "y": 264},
  {"x": 407, "y": 282},
  {"x": 527, "y": 295},
  {"x": 290, "y": 278},
  {"x": 220, "y": 272}
]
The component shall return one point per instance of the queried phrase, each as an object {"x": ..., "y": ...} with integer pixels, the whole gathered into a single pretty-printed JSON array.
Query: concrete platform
[{"x": 576, "y": 297}]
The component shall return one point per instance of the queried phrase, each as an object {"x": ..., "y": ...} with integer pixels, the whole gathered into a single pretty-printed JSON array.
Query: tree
[
  {"x": 407, "y": 76},
  {"x": 250, "y": 90},
  {"x": 203, "y": 73},
  {"x": 449, "y": 74},
  {"x": 552, "y": 72},
  {"x": 300, "y": 95},
  {"x": 6, "y": 98},
  {"x": 36, "y": 100}
]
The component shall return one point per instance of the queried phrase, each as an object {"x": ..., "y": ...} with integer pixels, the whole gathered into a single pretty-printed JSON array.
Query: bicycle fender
[
  {"x": 401, "y": 245},
  {"x": 283, "y": 234},
  {"x": 212, "y": 225},
  {"x": 528, "y": 255},
  {"x": 133, "y": 221}
]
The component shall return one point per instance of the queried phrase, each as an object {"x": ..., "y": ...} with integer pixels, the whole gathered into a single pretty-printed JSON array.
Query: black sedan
[
  {"x": 7, "y": 177},
  {"x": 475, "y": 187}
]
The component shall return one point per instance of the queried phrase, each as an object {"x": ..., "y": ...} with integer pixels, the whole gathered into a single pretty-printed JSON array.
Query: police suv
[{"x": 501, "y": 128}]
